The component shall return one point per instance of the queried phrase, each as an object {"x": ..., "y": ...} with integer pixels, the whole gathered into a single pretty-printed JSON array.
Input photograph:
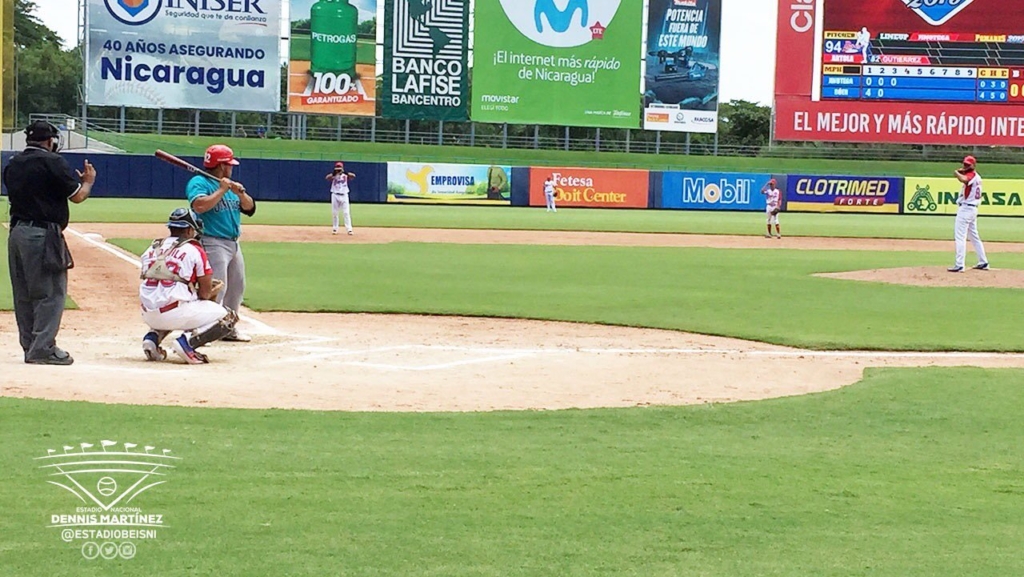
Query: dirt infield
[
  {"x": 936, "y": 276},
  {"x": 410, "y": 363}
]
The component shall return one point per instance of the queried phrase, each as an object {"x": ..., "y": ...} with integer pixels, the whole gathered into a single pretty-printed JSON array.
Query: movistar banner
[
  {"x": 572, "y": 62},
  {"x": 426, "y": 59},
  {"x": 184, "y": 54}
]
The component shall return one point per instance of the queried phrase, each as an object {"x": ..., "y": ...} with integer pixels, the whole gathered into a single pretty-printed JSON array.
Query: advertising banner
[
  {"x": 939, "y": 195},
  {"x": 449, "y": 183},
  {"x": 713, "y": 191},
  {"x": 592, "y": 188},
  {"x": 683, "y": 55},
  {"x": 862, "y": 194},
  {"x": 333, "y": 63},
  {"x": 536, "y": 63},
  {"x": 182, "y": 54},
  {"x": 426, "y": 60}
]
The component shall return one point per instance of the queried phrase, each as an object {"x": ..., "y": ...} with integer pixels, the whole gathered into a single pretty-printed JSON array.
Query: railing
[{"x": 343, "y": 129}]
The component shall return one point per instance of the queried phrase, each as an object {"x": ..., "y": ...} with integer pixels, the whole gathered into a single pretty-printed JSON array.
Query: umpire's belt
[{"x": 30, "y": 223}]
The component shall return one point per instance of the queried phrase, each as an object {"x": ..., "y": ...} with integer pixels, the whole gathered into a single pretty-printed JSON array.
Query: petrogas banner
[
  {"x": 449, "y": 183},
  {"x": 939, "y": 195},
  {"x": 844, "y": 194},
  {"x": 426, "y": 60},
  {"x": 570, "y": 62},
  {"x": 683, "y": 55},
  {"x": 196, "y": 54},
  {"x": 333, "y": 64},
  {"x": 713, "y": 191},
  {"x": 593, "y": 188}
]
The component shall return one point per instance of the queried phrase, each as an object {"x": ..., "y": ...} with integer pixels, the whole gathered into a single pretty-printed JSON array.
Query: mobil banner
[
  {"x": 426, "y": 60},
  {"x": 682, "y": 56},
  {"x": 332, "y": 68},
  {"x": 1000, "y": 197},
  {"x": 449, "y": 183},
  {"x": 863, "y": 194},
  {"x": 564, "y": 62},
  {"x": 182, "y": 54},
  {"x": 713, "y": 191},
  {"x": 594, "y": 188}
]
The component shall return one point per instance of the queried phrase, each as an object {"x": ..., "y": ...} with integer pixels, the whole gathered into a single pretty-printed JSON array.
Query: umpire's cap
[
  {"x": 185, "y": 218},
  {"x": 40, "y": 131}
]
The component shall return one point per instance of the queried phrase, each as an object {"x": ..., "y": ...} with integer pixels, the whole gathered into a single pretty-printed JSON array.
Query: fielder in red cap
[
  {"x": 967, "y": 216},
  {"x": 339, "y": 195},
  {"x": 222, "y": 203},
  {"x": 773, "y": 205}
]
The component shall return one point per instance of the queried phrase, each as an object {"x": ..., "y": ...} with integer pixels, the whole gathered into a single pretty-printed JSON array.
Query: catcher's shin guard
[{"x": 223, "y": 328}]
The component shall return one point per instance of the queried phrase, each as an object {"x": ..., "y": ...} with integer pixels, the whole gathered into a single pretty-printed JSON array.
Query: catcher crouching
[{"x": 178, "y": 293}]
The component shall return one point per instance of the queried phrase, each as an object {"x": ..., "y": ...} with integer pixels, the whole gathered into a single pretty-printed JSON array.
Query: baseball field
[{"x": 502, "y": 391}]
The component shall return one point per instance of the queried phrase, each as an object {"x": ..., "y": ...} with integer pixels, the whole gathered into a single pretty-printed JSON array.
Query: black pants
[{"x": 38, "y": 295}]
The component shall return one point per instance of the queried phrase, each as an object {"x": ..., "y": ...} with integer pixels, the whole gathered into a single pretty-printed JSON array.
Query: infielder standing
[
  {"x": 549, "y": 194},
  {"x": 773, "y": 204},
  {"x": 222, "y": 204},
  {"x": 967, "y": 216},
  {"x": 339, "y": 195},
  {"x": 178, "y": 293}
]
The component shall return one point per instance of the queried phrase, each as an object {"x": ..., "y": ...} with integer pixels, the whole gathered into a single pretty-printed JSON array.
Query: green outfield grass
[
  {"x": 505, "y": 218},
  {"x": 376, "y": 152},
  {"x": 910, "y": 472},
  {"x": 760, "y": 295}
]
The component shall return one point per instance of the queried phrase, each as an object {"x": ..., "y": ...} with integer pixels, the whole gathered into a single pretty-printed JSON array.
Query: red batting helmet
[
  {"x": 970, "y": 160},
  {"x": 217, "y": 155},
  {"x": 339, "y": 165}
]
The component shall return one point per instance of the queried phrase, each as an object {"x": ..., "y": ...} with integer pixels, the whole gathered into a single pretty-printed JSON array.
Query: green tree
[
  {"x": 47, "y": 76},
  {"x": 29, "y": 32},
  {"x": 743, "y": 123},
  {"x": 368, "y": 28}
]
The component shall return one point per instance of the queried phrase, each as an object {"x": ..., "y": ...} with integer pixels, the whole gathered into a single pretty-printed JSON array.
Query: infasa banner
[
  {"x": 537, "y": 63},
  {"x": 333, "y": 64},
  {"x": 449, "y": 183},
  {"x": 865, "y": 194},
  {"x": 713, "y": 191},
  {"x": 939, "y": 196},
  {"x": 426, "y": 60},
  {"x": 593, "y": 188},
  {"x": 184, "y": 54},
  {"x": 681, "y": 82}
]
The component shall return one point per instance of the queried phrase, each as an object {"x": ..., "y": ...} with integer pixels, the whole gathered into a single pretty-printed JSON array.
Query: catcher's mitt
[{"x": 775, "y": 211}]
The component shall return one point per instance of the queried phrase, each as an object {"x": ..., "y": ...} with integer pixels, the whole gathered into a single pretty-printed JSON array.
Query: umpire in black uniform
[{"x": 39, "y": 185}]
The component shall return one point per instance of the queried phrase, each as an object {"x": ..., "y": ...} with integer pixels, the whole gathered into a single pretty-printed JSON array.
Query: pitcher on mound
[{"x": 178, "y": 293}]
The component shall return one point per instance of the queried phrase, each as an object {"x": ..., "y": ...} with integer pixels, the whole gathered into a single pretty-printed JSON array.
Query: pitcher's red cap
[
  {"x": 219, "y": 154},
  {"x": 339, "y": 165},
  {"x": 970, "y": 160}
]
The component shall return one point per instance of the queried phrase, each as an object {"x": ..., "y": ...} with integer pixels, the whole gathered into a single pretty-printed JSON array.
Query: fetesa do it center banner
[
  {"x": 591, "y": 188},
  {"x": 332, "y": 66},
  {"x": 571, "y": 62},
  {"x": 426, "y": 60},
  {"x": 683, "y": 55},
  {"x": 200, "y": 54}
]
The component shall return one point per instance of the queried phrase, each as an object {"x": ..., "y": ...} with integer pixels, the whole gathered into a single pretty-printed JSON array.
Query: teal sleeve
[{"x": 197, "y": 187}]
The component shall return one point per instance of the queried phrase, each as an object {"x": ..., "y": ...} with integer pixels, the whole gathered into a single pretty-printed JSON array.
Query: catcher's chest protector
[{"x": 158, "y": 270}]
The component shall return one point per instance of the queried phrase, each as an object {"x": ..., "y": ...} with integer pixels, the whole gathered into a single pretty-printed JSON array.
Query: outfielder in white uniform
[
  {"x": 339, "y": 195},
  {"x": 773, "y": 204},
  {"x": 967, "y": 216},
  {"x": 178, "y": 293},
  {"x": 549, "y": 194}
]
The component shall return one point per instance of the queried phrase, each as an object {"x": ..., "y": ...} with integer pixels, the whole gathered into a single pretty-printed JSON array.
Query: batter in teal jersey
[{"x": 222, "y": 204}]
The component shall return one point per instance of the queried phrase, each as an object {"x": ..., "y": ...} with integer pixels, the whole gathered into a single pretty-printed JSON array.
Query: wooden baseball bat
[{"x": 174, "y": 160}]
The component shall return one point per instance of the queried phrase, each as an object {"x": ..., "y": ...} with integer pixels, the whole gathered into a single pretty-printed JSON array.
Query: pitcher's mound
[{"x": 936, "y": 276}]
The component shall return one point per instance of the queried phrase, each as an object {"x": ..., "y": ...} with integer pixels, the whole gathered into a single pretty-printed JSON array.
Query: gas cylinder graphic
[{"x": 333, "y": 26}]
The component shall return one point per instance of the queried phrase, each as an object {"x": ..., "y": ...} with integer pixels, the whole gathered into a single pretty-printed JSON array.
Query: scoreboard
[{"x": 851, "y": 70}]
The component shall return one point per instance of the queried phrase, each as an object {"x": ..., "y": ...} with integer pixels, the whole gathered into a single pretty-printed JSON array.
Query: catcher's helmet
[
  {"x": 219, "y": 154},
  {"x": 185, "y": 218}
]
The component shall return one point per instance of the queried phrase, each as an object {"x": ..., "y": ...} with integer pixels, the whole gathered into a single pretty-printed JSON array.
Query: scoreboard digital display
[{"x": 846, "y": 67}]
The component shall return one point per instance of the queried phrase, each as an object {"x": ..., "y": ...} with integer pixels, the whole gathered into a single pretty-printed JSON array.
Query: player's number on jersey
[{"x": 326, "y": 83}]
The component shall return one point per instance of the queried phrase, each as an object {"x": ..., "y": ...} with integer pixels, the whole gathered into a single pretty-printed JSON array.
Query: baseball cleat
[
  {"x": 152, "y": 349},
  {"x": 237, "y": 337},
  {"x": 335, "y": 231},
  {"x": 955, "y": 269},
  {"x": 185, "y": 351},
  {"x": 350, "y": 233},
  {"x": 981, "y": 266},
  {"x": 767, "y": 236}
]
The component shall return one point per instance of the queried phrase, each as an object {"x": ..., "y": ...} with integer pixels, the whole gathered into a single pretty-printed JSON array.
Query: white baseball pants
[
  {"x": 772, "y": 218},
  {"x": 188, "y": 316},
  {"x": 340, "y": 204},
  {"x": 550, "y": 198},
  {"x": 967, "y": 228}
]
